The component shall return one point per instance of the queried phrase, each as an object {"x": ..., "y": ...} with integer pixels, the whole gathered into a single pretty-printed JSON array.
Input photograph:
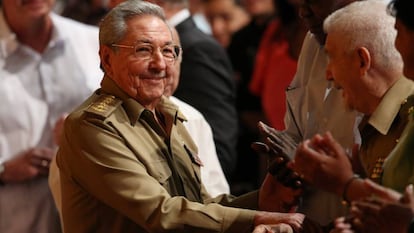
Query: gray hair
[
  {"x": 113, "y": 26},
  {"x": 367, "y": 24}
]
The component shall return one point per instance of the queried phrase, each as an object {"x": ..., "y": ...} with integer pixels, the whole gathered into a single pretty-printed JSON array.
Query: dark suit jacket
[{"x": 207, "y": 84}]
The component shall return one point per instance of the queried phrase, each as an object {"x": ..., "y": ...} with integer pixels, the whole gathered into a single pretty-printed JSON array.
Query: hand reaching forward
[
  {"x": 278, "y": 142},
  {"x": 277, "y": 228},
  {"x": 275, "y": 197},
  {"x": 279, "y": 148},
  {"x": 380, "y": 215},
  {"x": 294, "y": 220}
]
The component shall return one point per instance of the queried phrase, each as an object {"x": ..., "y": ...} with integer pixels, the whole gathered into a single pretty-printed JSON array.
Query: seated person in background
[
  {"x": 364, "y": 63},
  {"x": 200, "y": 131},
  {"x": 126, "y": 161}
]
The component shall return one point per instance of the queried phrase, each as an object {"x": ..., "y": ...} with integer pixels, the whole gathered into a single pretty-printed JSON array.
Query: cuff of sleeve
[{"x": 238, "y": 220}]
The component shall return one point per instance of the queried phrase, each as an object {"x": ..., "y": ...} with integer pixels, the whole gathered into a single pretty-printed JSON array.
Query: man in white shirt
[
  {"x": 314, "y": 107},
  {"x": 48, "y": 65}
]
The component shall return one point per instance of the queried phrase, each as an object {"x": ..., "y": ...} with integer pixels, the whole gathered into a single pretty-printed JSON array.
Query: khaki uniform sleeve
[{"x": 103, "y": 171}]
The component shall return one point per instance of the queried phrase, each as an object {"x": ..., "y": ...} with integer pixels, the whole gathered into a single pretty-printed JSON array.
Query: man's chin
[{"x": 349, "y": 107}]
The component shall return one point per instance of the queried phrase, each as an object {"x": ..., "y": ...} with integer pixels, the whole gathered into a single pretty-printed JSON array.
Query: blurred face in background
[
  {"x": 225, "y": 18},
  {"x": 26, "y": 10},
  {"x": 314, "y": 12},
  {"x": 258, "y": 7},
  {"x": 404, "y": 44}
]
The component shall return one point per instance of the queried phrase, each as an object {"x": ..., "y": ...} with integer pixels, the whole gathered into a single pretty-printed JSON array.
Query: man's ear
[
  {"x": 364, "y": 59},
  {"x": 105, "y": 55}
]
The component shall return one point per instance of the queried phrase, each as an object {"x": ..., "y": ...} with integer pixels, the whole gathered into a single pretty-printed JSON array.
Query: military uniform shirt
[
  {"x": 380, "y": 131},
  {"x": 399, "y": 166},
  {"x": 121, "y": 171}
]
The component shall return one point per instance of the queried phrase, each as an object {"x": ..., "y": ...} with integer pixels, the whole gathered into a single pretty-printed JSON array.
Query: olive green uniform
[
  {"x": 121, "y": 171},
  {"x": 380, "y": 131},
  {"x": 399, "y": 165}
]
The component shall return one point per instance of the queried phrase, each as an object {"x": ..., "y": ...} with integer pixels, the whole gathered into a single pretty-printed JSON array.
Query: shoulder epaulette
[{"x": 104, "y": 105}]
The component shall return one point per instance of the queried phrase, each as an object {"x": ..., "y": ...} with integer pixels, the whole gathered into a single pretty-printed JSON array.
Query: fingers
[
  {"x": 331, "y": 146},
  {"x": 278, "y": 228},
  {"x": 40, "y": 158},
  {"x": 265, "y": 129},
  {"x": 297, "y": 223},
  {"x": 262, "y": 229},
  {"x": 366, "y": 216},
  {"x": 408, "y": 195},
  {"x": 276, "y": 147},
  {"x": 362, "y": 208},
  {"x": 260, "y": 147},
  {"x": 307, "y": 160},
  {"x": 278, "y": 141},
  {"x": 284, "y": 174},
  {"x": 342, "y": 226}
]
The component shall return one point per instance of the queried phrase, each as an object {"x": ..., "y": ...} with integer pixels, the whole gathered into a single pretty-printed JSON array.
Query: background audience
[
  {"x": 242, "y": 52},
  {"x": 49, "y": 64}
]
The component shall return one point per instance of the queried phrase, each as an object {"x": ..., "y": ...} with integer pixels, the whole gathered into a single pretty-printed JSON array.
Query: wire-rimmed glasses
[{"x": 145, "y": 51}]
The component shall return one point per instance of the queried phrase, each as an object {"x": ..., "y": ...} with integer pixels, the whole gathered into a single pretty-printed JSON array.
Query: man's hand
[
  {"x": 278, "y": 142},
  {"x": 323, "y": 162},
  {"x": 277, "y": 167},
  {"x": 379, "y": 215},
  {"x": 294, "y": 220},
  {"x": 271, "y": 222},
  {"x": 27, "y": 165},
  {"x": 275, "y": 197},
  {"x": 277, "y": 228},
  {"x": 280, "y": 148},
  {"x": 342, "y": 225}
]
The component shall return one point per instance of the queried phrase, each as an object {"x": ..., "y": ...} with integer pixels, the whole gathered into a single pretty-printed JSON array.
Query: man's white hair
[{"x": 367, "y": 24}]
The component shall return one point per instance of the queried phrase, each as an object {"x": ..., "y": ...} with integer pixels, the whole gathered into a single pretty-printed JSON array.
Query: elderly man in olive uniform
[{"x": 127, "y": 163}]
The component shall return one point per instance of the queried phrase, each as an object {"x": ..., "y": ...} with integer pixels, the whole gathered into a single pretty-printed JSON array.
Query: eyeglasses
[{"x": 146, "y": 52}]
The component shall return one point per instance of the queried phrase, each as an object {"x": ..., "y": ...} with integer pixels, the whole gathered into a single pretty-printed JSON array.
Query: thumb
[
  {"x": 408, "y": 195},
  {"x": 259, "y": 147},
  {"x": 331, "y": 146}
]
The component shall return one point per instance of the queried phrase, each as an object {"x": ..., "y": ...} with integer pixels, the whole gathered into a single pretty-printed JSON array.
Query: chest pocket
[{"x": 162, "y": 172}]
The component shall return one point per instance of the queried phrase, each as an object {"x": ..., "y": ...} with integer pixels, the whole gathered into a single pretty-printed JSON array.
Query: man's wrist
[{"x": 345, "y": 199}]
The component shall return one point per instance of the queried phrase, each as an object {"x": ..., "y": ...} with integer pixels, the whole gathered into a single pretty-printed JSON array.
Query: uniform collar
[
  {"x": 134, "y": 109},
  {"x": 387, "y": 110}
]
